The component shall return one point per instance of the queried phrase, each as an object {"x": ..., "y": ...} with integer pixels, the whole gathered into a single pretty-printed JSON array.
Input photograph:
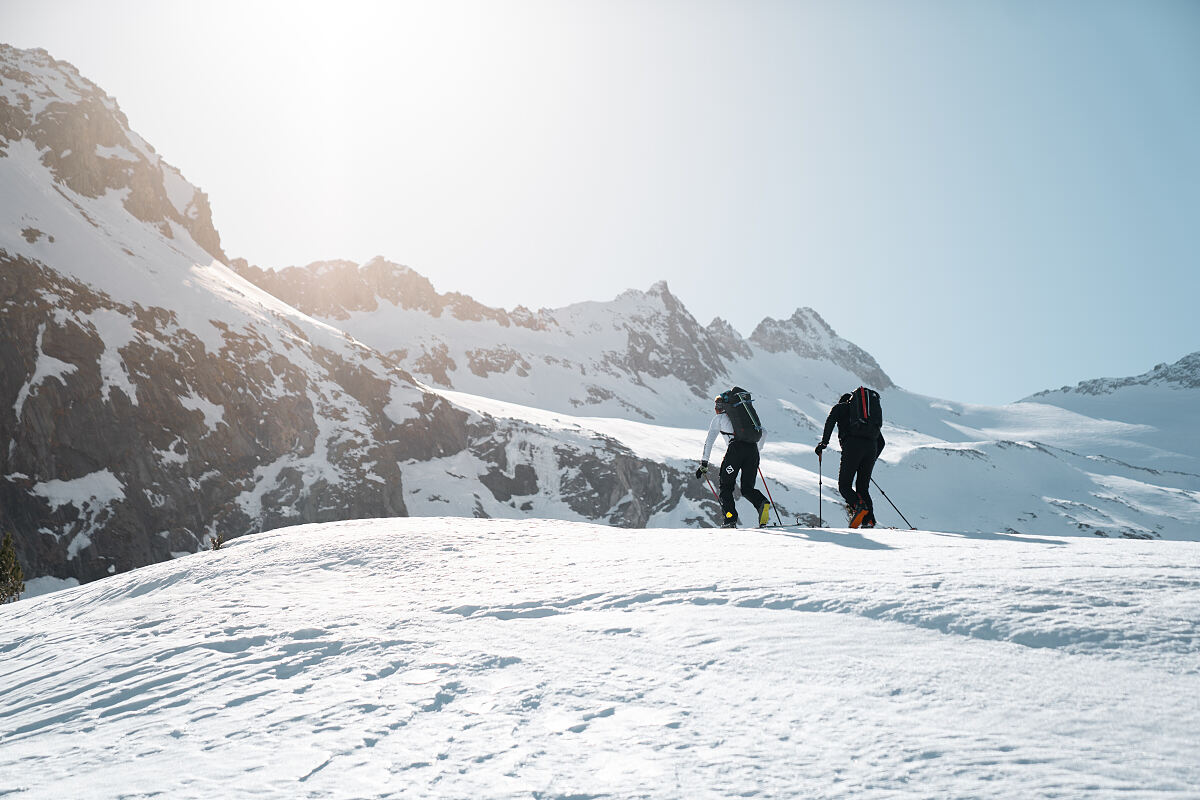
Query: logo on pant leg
[{"x": 729, "y": 469}]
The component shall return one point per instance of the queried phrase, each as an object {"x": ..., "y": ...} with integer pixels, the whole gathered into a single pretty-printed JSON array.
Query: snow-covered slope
[
  {"x": 483, "y": 658},
  {"x": 1161, "y": 403}
]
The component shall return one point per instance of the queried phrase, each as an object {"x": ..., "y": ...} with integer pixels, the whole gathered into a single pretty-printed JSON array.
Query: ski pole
[
  {"x": 821, "y": 490},
  {"x": 772, "y": 499},
  {"x": 708, "y": 480},
  {"x": 898, "y": 511}
]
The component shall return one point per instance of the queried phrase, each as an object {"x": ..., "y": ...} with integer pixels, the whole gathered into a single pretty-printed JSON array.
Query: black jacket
[{"x": 842, "y": 415}]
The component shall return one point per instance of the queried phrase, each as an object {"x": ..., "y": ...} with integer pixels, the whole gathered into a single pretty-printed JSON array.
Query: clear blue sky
[{"x": 992, "y": 198}]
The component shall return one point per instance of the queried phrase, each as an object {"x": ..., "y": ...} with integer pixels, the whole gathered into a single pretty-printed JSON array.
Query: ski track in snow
[{"x": 489, "y": 658}]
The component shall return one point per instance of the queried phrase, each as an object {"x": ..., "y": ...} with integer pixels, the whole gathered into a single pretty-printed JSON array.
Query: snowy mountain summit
[
  {"x": 809, "y": 336},
  {"x": 75, "y": 131}
]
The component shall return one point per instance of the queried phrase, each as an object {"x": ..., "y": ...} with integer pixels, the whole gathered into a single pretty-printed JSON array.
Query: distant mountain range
[
  {"x": 1183, "y": 374},
  {"x": 156, "y": 393},
  {"x": 641, "y": 354}
]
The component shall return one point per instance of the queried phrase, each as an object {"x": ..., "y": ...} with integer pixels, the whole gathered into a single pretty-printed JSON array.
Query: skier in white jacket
[{"x": 741, "y": 455}]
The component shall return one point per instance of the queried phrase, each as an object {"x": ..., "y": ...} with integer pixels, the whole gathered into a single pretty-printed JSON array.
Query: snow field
[{"x": 488, "y": 658}]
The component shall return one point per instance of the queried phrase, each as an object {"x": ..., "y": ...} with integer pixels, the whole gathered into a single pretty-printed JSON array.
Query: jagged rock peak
[
  {"x": 808, "y": 335},
  {"x": 658, "y": 293},
  {"x": 1183, "y": 374},
  {"x": 804, "y": 321},
  {"x": 36, "y": 78},
  {"x": 82, "y": 137},
  {"x": 665, "y": 339},
  {"x": 726, "y": 338},
  {"x": 655, "y": 301}
]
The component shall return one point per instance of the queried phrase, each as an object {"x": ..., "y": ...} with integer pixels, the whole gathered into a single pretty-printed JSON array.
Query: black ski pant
[
  {"x": 854, "y": 476},
  {"x": 740, "y": 457}
]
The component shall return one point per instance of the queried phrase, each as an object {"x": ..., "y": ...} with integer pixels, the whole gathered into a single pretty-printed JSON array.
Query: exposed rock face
[
  {"x": 727, "y": 341},
  {"x": 484, "y": 362},
  {"x": 621, "y": 487},
  {"x": 664, "y": 340},
  {"x": 807, "y": 335},
  {"x": 122, "y": 453},
  {"x": 598, "y": 479}
]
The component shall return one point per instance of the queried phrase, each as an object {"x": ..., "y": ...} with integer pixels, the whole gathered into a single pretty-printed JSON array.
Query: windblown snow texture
[{"x": 486, "y": 658}]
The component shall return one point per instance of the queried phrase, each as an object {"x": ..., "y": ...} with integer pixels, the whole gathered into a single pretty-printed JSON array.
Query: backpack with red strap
[{"x": 866, "y": 417}]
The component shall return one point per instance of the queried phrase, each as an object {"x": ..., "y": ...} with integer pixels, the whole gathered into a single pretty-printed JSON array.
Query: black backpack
[
  {"x": 866, "y": 414},
  {"x": 739, "y": 407}
]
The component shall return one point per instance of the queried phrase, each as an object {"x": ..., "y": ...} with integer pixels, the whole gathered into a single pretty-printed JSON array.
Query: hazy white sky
[{"x": 992, "y": 198}]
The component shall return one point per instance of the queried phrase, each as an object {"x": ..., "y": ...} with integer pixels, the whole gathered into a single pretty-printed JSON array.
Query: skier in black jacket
[{"x": 858, "y": 460}]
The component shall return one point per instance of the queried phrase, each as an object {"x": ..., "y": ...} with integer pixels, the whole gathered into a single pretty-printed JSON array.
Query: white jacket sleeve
[{"x": 714, "y": 428}]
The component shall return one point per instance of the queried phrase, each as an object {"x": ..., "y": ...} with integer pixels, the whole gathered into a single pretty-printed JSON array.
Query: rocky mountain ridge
[
  {"x": 646, "y": 341},
  {"x": 334, "y": 289},
  {"x": 1183, "y": 374}
]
